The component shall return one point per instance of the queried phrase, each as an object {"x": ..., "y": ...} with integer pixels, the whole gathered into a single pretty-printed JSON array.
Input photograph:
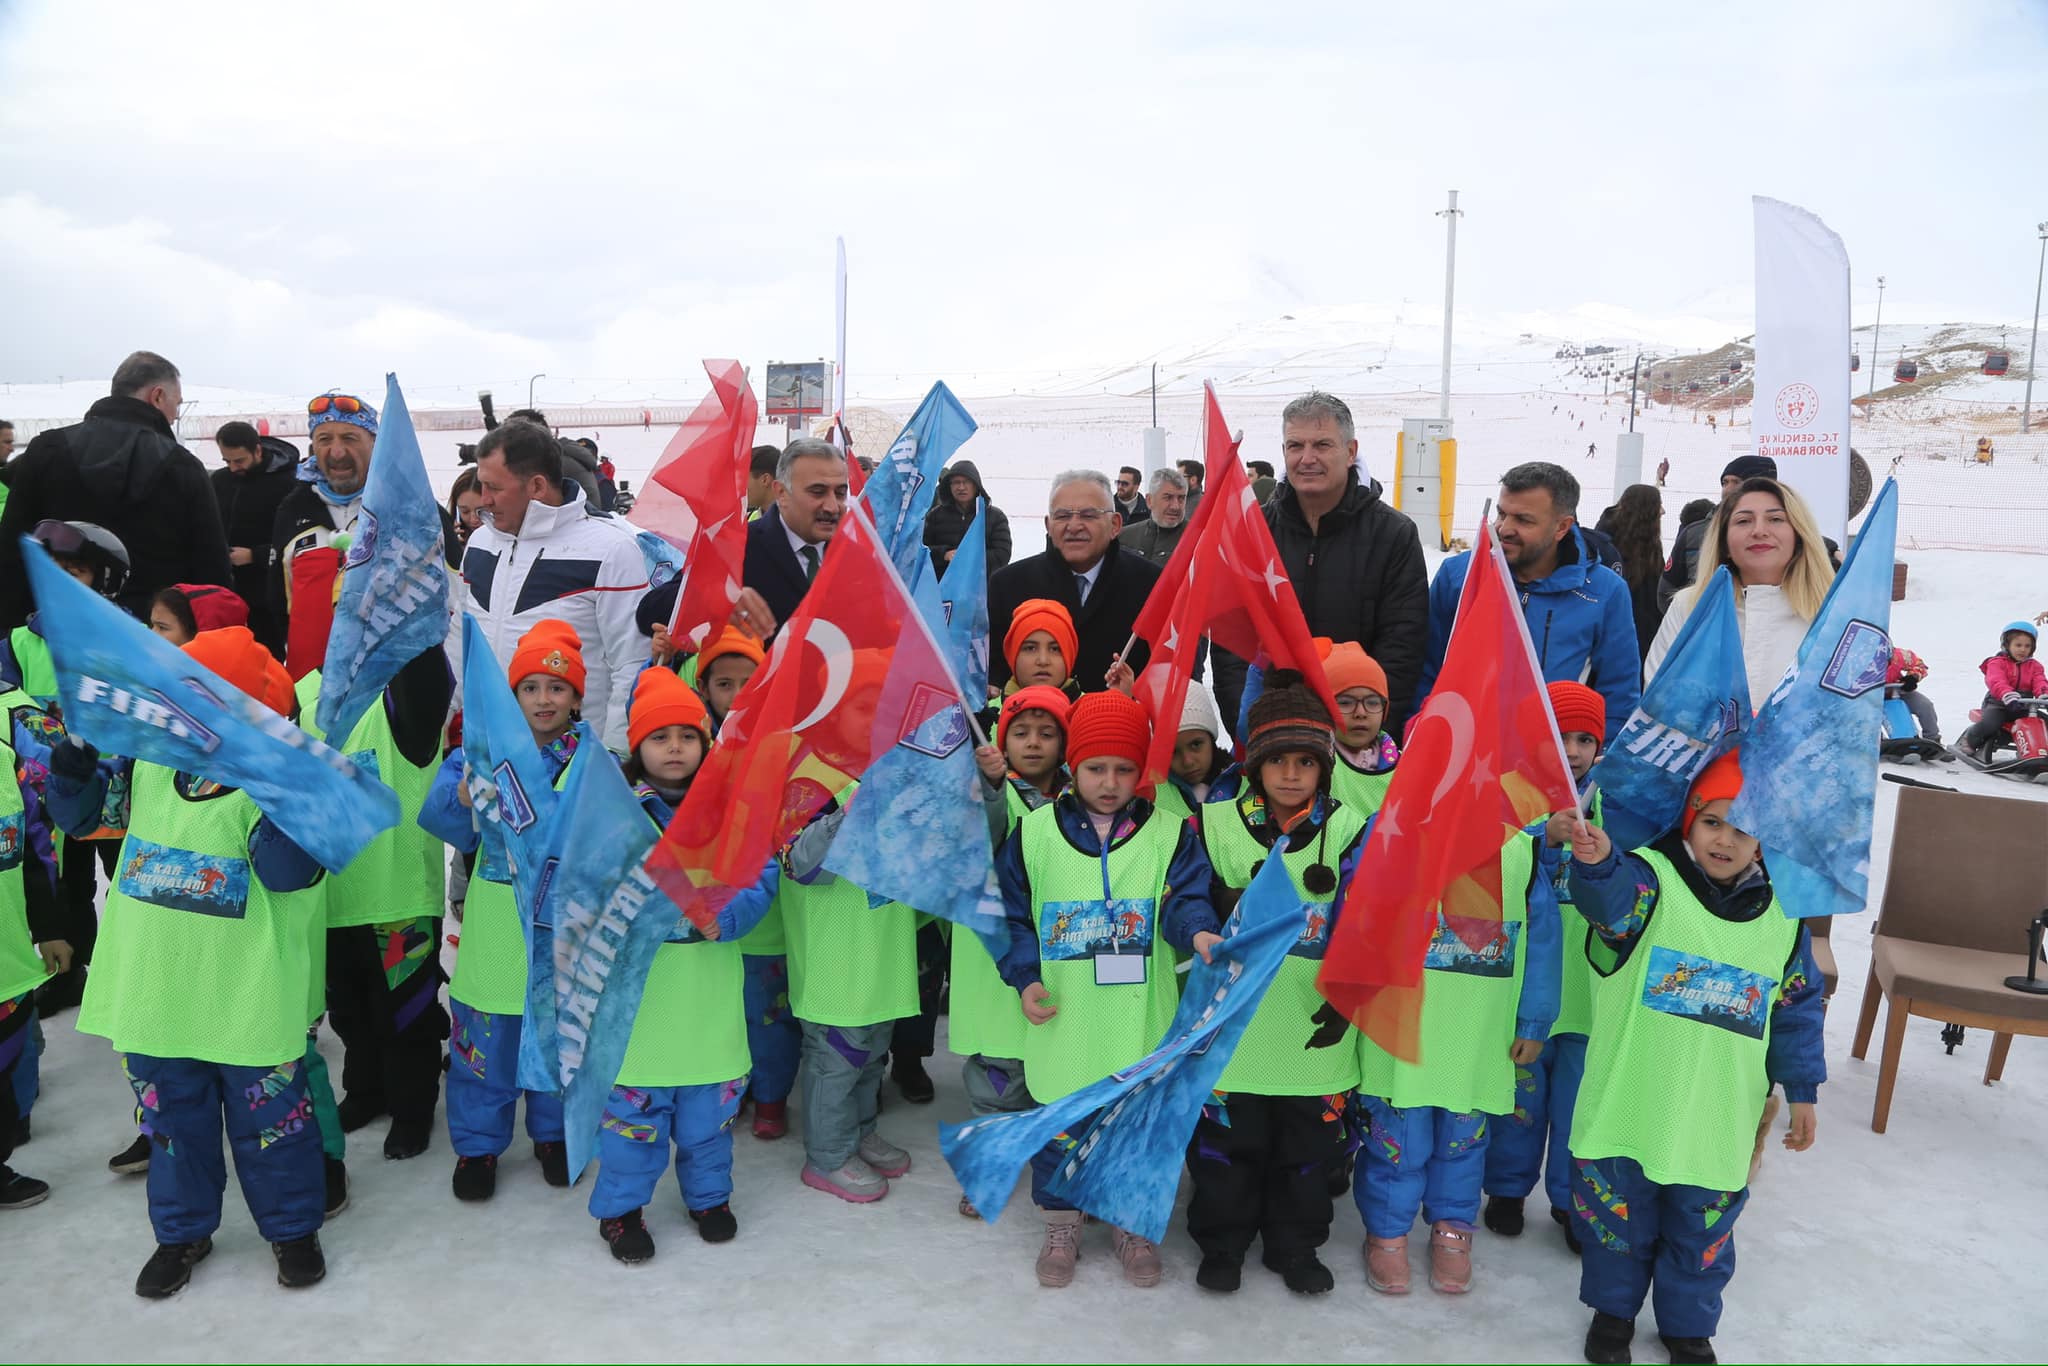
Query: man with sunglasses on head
[
  {"x": 123, "y": 469},
  {"x": 341, "y": 435}
]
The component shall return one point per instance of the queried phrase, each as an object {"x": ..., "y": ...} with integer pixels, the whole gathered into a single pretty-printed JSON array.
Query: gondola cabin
[
  {"x": 1855, "y": 362},
  {"x": 1997, "y": 362},
  {"x": 1905, "y": 372}
]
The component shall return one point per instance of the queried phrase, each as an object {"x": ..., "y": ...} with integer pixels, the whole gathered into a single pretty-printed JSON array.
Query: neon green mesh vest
[
  {"x": 490, "y": 960},
  {"x": 1468, "y": 1010},
  {"x": 399, "y": 875},
  {"x": 984, "y": 1015},
  {"x": 851, "y": 962},
  {"x": 196, "y": 958},
  {"x": 1361, "y": 791},
  {"x": 38, "y": 670},
  {"x": 691, "y": 1029},
  {"x": 1675, "y": 1074},
  {"x": 1575, "y": 979},
  {"x": 1089, "y": 906},
  {"x": 1271, "y": 1059},
  {"x": 20, "y": 968}
]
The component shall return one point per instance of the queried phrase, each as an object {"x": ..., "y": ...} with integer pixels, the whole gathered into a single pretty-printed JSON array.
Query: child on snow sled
[{"x": 2010, "y": 676}]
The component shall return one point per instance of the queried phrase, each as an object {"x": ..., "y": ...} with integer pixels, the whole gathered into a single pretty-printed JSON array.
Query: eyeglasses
[
  {"x": 340, "y": 403},
  {"x": 1068, "y": 516},
  {"x": 1372, "y": 704}
]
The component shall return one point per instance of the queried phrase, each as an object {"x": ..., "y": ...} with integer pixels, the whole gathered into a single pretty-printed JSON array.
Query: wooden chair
[{"x": 1968, "y": 873}]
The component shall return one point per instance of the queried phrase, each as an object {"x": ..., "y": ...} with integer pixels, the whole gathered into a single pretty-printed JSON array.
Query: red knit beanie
[
  {"x": 1722, "y": 778},
  {"x": 1107, "y": 723},
  {"x": 1043, "y": 697},
  {"x": 1579, "y": 708},
  {"x": 553, "y": 648},
  {"x": 662, "y": 699}
]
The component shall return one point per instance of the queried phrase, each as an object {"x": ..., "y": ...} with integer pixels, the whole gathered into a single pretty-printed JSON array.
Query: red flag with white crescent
[
  {"x": 1481, "y": 761},
  {"x": 853, "y": 672}
]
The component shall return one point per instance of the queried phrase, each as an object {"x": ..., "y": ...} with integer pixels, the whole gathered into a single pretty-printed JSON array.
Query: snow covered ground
[{"x": 1921, "y": 1244}]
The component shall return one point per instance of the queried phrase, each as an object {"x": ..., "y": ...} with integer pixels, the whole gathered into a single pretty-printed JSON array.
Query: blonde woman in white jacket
[{"x": 1766, "y": 535}]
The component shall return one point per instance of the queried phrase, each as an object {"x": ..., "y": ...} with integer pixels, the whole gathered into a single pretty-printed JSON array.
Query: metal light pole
[
  {"x": 1633, "y": 371},
  {"x": 1450, "y": 217},
  {"x": 1874, "y": 329},
  {"x": 529, "y": 387},
  {"x": 2027, "y": 408}
]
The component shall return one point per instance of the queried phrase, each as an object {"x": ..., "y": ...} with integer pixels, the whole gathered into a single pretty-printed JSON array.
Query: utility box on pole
[
  {"x": 1426, "y": 477},
  {"x": 1628, "y": 461}
]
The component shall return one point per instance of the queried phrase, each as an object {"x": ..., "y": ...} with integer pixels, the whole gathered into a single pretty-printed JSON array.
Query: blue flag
[
  {"x": 126, "y": 690},
  {"x": 915, "y": 832},
  {"x": 1125, "y": 1167},
  {"x": 394, "y": 582},
  {"x": 1809, "y": 765},
  {"x": 607, "y": 920},
  {"x": 1695, "y": 709},
  {"x": 901, "y": 488},
  {"x": 509, "y": 786}
]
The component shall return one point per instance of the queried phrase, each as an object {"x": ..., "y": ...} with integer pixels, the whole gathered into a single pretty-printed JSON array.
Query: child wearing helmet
[{"x": 2010, "y": 676}]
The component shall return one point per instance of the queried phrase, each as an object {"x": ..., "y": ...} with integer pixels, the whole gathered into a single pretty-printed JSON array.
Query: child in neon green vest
[
  {"x": 1705, "y": 996},
  {"x": 207, "y": 969},
  {"x": 1366, "y": 755},
  {"x": 1547, "y": 1089},
  {"x": 1266, "y": 1142},
  {"x": 686, "y": 1064},
  {"x": 487, "y": 995},
  {"x": 986, "y": 1026},
  {"x": 33, "y": 937},
  {"x": 1100, "y": 890},
  {"x": 1489, "y": 999}
]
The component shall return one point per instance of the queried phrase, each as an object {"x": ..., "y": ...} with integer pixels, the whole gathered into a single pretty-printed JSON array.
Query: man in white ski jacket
[{"x": 542, "y": 552}]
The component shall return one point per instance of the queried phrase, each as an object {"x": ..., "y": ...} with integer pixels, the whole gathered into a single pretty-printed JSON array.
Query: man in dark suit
[
  {"x": 785, "y": 544},
  {"x": 1083, "y": 568}
]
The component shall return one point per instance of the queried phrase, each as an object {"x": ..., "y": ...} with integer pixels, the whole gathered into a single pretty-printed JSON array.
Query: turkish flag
[
  {"x": 851, "y": 674},
  {"x": 695, "y": 498},
  {"x": 1224, "y": 581},
  {"x": 316, "y": 577},
  {"x": 1482, "y": 760}
]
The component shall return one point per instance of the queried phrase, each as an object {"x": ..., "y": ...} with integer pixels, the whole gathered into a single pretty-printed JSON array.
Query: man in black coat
[
  {"x": 259, "y": 472},
  {"x": 1356, "y": 563},
  {"x": 945, "y": 526},
  {"x": 122, "y": 468},
  {"x": 785, "y": 545},
  {"x": 1082, "y": 526}
]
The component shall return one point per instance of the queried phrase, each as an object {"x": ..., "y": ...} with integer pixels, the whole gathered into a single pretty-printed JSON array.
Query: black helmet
[{"x": 96, "y": 545}]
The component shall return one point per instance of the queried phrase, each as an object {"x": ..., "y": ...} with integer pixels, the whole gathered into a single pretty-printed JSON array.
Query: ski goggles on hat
[{"x": 341, "y": 408}]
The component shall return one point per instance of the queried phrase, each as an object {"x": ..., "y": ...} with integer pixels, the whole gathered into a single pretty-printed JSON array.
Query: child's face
[
  {"x": 1722, "y": 850},
  {"x": 1194, "y": 754},
  {"x": 1290, "y": 781},
  {"x": 723, "y": 681},
  {"x": 1032, "y": 744},
  {"x": 1580, "y": 750},
  {"x": 671, "y": 755},
  {"x": 1106, "y": 783},
  {"x": 1040, "y": 660},
  {"x": 1360, "y": 714},
  {"x": 164, "y": 622},
  {"x": 77, "y": 569},
  {"x": 2019, "y": 644},
  {"x": 549, "y": 703}
]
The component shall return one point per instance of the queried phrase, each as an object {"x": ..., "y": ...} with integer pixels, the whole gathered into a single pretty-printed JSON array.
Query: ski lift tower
[{"x": 1426, "y": 456}]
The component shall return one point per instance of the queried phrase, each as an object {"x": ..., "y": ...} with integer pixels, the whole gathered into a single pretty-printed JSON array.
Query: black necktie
[{"x": 810, "y": 557}]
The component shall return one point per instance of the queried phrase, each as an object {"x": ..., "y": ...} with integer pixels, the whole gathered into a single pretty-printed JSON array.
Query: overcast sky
[{"x": 288, "y": 197}]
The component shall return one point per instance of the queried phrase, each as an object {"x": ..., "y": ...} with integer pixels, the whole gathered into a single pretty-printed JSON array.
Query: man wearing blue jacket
[{"x": 1578, "y": 610}]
